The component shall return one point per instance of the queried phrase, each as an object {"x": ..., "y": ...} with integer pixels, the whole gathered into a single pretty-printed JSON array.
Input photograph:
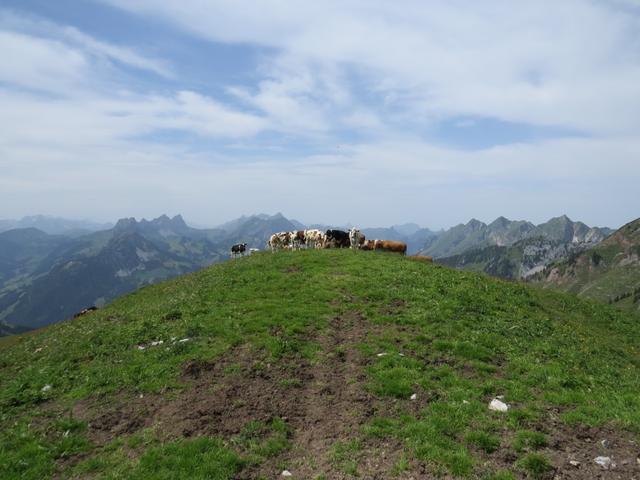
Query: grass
[{"x": 455, "y": 339}]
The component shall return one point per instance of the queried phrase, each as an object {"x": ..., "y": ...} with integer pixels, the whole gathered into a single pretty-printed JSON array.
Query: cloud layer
[{"x": 342, "y": 117}]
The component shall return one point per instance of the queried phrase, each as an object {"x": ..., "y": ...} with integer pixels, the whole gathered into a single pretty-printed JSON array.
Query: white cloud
[
  {"x": 573, "y": 64},
  {"x": 87, "y": 147}
]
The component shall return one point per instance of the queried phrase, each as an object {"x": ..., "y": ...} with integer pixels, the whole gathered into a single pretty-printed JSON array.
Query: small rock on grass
[
  {"x": 498, "y": 405},
  {"x": 46, "y": 388},
  {"x": 414, "y": 396},
  {"x": 286, "y": 473},
  {"x": 574, "y": 463},
  {"x": 604, "y": 462}
]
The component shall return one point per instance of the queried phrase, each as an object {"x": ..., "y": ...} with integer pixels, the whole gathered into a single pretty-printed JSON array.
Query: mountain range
[
  {"x": 608, "y": 271},
  {"x": 45, "y": 277},
  {"x": 503, "y": 232},
  {"x": 55, "y": 225}
]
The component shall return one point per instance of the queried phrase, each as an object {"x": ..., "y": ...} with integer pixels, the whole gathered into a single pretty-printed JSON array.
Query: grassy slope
[{"x": 464, "y": 338}]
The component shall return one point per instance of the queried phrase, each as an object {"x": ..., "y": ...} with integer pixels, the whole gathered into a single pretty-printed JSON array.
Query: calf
[
  {"x": 238, "y": 249},
  {"x": 336, "y": 239}
]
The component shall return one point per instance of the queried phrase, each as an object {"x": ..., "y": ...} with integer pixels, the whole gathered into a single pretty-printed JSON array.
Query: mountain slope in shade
[
  {"x": 22, "y": 251},
  {"x": 518, "y": 261},
  {"x": 45, "y": 279},
  {"x": 609, "y": 271}
]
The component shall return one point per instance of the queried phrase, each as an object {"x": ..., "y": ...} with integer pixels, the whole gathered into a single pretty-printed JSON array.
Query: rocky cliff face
[{"x": 608, "y": 271}]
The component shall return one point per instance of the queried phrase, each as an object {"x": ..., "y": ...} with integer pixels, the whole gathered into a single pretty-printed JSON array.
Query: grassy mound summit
[{"x": 328, "y": 364}]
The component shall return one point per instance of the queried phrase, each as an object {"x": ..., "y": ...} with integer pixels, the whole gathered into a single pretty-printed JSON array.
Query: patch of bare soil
[
  {"x": 333, "y": 407},
  {"x": 578, "y": 444},
  {"x": 324, "y": 402},
  {"x": 584, "y": 444}
]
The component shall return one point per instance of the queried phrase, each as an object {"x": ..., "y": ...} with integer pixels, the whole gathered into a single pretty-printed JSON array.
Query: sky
[{"x": 364, "y": 112}]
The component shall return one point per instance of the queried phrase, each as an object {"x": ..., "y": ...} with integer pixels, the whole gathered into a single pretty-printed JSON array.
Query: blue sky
[{"x": 360, "y": 111}]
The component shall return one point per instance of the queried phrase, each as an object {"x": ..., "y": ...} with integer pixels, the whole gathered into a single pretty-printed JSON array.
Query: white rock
[
  {"x": 574, "y": 463},
  {"x": 604, "y": 462},
  {"x": 414, "y": 396},
  {"x": 46, "y": 388},
  {"x": 465, "y": 402},
  {"x": 141, "y": 347},
  {"x": 184, "y": 340},
  {"x": 401, "y": 354},
  {"x": 286, "y": 473},
  {"x": 157, "y": 342},
  {"x": 498, "y": 405},
  {"x": 382, "y": 354},
  {"x": 38, "y": 350}
]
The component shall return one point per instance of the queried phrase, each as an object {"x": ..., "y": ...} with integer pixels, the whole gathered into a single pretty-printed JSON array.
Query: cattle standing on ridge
[
  {"x": 391, "y": 246},
  {"x": 385, "y": 246},
  {"x": 355, "y": 237},
  {"x": 297, "y": 239},
  {"x": 314, "y": 238},
  {"x": 336, "y": 239},
  {"x": 238, "y": 249},
  {"x": 279, "y": 241}
]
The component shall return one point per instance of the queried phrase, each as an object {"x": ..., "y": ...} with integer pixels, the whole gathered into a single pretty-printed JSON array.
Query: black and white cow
[
  {"x": 337, "y": 239},
  {"x": 238, "y": 249}
]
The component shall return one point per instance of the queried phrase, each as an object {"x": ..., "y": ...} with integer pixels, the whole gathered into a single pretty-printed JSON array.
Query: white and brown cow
[
  {"x": 279, "y": 241},
  {"x": 314, "y": 238}
]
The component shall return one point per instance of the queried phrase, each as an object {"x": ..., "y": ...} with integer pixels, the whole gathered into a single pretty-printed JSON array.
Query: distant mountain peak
[
  {"x": 475, "y": 223},
  {"x": 500, "y": 222},
  {"x": 125, "y": 223}
]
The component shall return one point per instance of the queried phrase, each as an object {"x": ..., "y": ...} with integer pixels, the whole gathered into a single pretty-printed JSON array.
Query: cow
[
  {"x": 391, "y": 246},
  {"x": 368, "y": 245},
  {"x": 354, "y": 238},
  {"x": 314, "y": 238},
  {"x": 336, "y": 239},
  {"x": 423, "y": 258},
  {"x": 279, "y": 241},
  {"x": 238, "y": 249},
  {"x": 297, "y": 239}
]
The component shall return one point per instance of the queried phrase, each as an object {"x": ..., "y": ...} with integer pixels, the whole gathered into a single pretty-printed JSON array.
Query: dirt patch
[
  {"x": 394, "y": 307},
  {"x": 584, "y": 444},
  {"x": 573, "y": 443},
  {"x": 293, "y": 269},
  {"x": 325, "y": 403}
]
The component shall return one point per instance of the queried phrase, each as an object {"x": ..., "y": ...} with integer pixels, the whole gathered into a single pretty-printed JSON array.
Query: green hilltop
[{"x": 327, "y": 364}]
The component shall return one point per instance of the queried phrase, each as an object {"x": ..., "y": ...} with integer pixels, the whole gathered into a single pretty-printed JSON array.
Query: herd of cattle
[{"x": 314, "y": 238}]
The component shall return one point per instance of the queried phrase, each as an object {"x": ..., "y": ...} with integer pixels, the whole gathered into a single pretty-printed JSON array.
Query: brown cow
[
  {"x": 423, "y": 258},
  {"x": 391, "y": 246}
]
